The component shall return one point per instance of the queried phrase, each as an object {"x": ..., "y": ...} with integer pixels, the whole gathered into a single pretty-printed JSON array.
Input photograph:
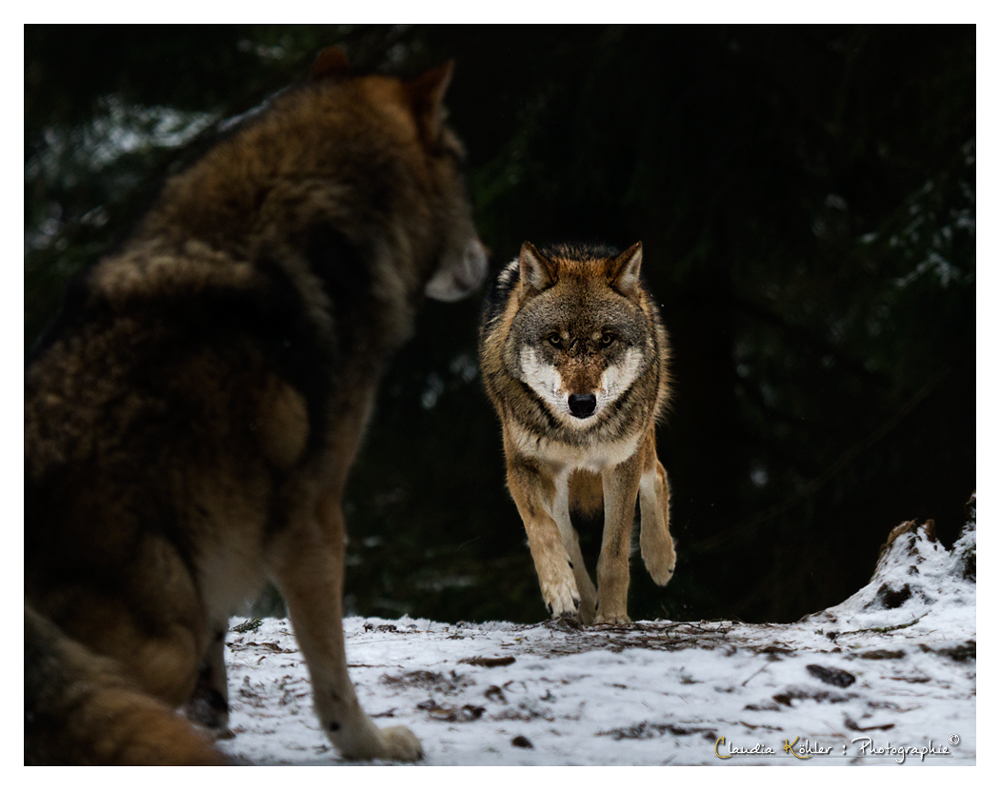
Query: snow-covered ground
[{"x": 889, "y": 675}]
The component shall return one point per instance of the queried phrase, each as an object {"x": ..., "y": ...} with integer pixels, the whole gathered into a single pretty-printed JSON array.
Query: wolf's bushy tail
[{"x": 81, "y": 709}]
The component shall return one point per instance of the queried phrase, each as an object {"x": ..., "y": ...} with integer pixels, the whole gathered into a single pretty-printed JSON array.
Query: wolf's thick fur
[
  {"x": 574, "y": 356},
  {"x": 191, "y": 417},
  {"x": 82, "y": 708}
]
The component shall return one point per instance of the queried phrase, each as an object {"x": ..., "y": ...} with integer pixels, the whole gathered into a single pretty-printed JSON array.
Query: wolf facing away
[
  {"x": 191, "y": 417},
  {"x": 574, "y": 357}
]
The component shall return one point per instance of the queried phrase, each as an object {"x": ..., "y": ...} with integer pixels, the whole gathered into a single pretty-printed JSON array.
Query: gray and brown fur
[
  {"x": 191, "y": 417},
  {"x": 574, "y": 356}
]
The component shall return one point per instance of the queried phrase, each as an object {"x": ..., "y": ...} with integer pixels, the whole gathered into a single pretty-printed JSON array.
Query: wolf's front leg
[
  {"x": 533, "y": 491},
  {"x": 621, "y": 487},
  {"x": 307, "y": 562},
  {"x": 655, "y": 542}
]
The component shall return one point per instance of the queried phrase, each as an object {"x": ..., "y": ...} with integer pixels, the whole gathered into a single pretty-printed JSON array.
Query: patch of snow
[{"x": 887, "y": 676}]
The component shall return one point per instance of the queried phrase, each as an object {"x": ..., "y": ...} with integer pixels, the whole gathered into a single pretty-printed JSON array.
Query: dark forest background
[{"x": 805, "y": 197}]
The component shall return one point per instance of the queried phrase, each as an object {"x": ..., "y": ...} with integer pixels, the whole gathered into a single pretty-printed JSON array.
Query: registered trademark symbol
[{"x": 954, "y": 740}]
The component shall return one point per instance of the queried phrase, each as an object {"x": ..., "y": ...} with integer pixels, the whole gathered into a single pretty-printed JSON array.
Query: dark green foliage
[{"x": 806, "y": 201}]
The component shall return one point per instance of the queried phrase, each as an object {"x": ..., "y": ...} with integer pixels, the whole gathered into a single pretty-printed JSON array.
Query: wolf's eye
[
  {"x": 555, "y": 339},
  {"x": 607, "y": 339}
]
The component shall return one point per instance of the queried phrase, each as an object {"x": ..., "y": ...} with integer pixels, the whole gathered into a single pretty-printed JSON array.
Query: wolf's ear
[
  {"x": 537, "y": 272},
  {"x": 426, "y": 94},
  {"x": 331, "y": 62},
  {"x": 623, "y": 271}
]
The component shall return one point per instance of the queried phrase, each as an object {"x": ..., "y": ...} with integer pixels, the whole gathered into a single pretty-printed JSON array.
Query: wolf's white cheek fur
[
  {"x": 618, "y": 378},
  {"x": 543, "y": 379}
]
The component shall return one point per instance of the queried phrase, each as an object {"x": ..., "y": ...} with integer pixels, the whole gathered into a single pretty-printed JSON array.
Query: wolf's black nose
[{"x": 582, "y": 405}]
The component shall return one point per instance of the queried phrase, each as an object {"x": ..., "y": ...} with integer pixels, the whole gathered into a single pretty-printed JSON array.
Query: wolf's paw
[
  {"x": 612, "y": 619},
  {"x": 371, "y": 743},
  {"x": 661, "y": 569},
  {"x": 660, "y": 561},
  {"x": 561, "y": 598},
  {"x": 400, "y": 744}
]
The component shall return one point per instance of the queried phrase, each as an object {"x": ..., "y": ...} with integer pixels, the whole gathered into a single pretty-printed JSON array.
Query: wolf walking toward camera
[
  {"x": 574, "y": 357},
  {"x": 191, "y": 417}
]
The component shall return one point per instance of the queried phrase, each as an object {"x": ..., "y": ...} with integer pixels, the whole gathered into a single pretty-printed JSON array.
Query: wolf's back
[{"x": 79, "y": 709}]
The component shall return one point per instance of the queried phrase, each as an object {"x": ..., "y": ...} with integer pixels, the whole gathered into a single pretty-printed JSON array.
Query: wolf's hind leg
[
  {"x": 209, "y": 704},
  {"x": 571, "y": 542},
  {"x": 621, "y": 486},
  {"x": 156, "y": 629},
  {"x": 82, "y": 708},
  {"x": 584, "y": 584},
  {"x": 655, "y": 542},
  {"x": 307, "y": 562}
]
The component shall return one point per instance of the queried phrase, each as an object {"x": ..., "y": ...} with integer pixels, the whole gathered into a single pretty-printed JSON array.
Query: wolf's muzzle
[
  {"x": 461, "y": 276},
  {"x": 582, "y": 405}
]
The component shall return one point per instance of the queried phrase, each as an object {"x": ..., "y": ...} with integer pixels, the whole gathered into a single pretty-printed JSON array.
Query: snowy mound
[
  {"x": 917, "y": 582},
  {"x": 887, "y": 676}
]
